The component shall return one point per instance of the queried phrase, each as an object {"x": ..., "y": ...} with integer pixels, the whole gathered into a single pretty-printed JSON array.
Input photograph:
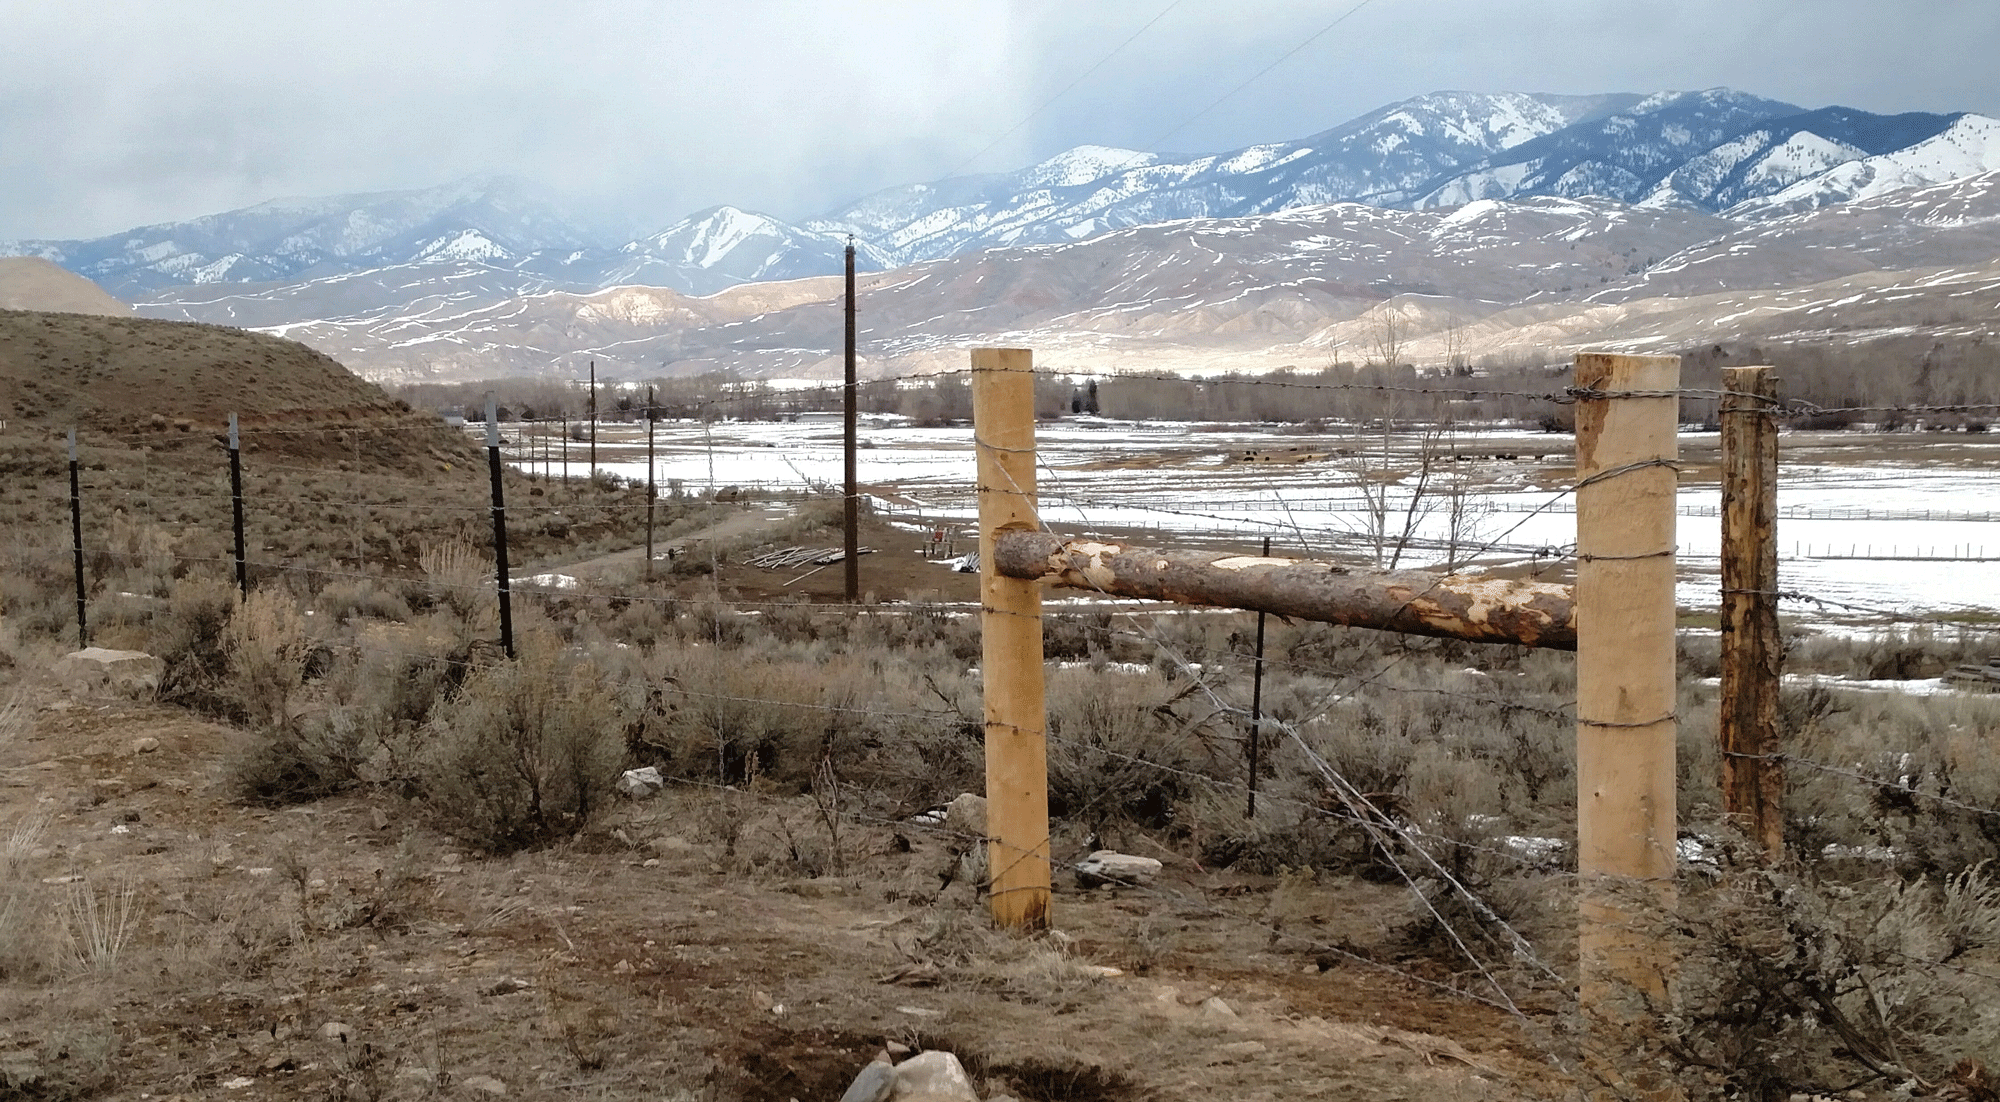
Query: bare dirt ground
[{"x": 344, "y": 949}]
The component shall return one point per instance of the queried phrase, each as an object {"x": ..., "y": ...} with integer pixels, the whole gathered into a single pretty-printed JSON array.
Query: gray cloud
[{"x": 117, "y": 114}]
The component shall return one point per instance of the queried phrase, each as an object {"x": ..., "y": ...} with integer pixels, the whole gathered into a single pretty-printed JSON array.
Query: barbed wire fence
[{"x": 1489, "y": 948}]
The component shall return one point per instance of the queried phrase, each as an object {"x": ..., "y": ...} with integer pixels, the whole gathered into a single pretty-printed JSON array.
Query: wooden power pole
[
  {"x": 593, "y": 420},
  {"x": 1627, "y": 413},
  {"x": 1017, "y": 783},
  {"x": 1753, "y": 779},
  {"x": 851, "y": 513}
]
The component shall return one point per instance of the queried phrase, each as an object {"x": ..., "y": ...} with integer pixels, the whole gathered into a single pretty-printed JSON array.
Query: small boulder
[
  {"x": 874, "y": 1084},
  {"x": 484, "y": 1084},
  {"x": 966, "y": 814},
  {"x": 96, "y": 671},
  {"x": 933, "y": 1077},
  {"x": 1109, "y": 867},
  {"x": 641, "y": 783}
]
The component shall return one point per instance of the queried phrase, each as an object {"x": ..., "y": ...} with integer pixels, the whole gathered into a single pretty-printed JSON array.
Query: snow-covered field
[{"x": 1896, "y": 524}]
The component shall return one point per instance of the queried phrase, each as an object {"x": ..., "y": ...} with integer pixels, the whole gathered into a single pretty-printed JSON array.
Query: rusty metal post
[
  {"x": 1753, "y": 780},
  {"x": 1017, "y": 783}
]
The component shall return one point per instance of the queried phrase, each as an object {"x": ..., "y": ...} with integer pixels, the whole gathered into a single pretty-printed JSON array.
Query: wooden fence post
[
  {"x": 1017, "y": 779},
  {"x": 1753, "y": 780},
  {"x": 1625, "y": 693}
]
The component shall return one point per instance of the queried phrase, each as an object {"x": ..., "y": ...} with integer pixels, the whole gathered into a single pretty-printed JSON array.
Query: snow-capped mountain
[
  {"x": 389, "y": 263},
  {"x": 490, "y": 219},
  {"x": 1621, "y": 155},
  {"x": 1379, "y": 158},
  {"x": 1967, "y": 145},
  {"x": 723, "y": 246}
]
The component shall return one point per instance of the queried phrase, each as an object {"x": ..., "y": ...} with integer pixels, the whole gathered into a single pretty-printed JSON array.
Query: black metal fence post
[
  {"x": 236, "y": 505},
  {"x": 1257, "y": 703},
  {"x": 651, "y": 488},
  {"x": 76, "y": 542},
  {"x": 499, "y": 531}
]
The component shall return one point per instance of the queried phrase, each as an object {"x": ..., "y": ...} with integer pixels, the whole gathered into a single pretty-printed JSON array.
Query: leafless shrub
[
  {"x": 527, "y": 752},
  {"x": 191, "y": 638}
]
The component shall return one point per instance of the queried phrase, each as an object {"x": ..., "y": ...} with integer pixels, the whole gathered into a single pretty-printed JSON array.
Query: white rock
[
  {"x": 339, "y": 1032},
  {"x": 1214, "y": 1009},
  {"x": 641, "y": 783},
  {"x": 933, "y": 1077},
  {"x": 966, "y": 814},
  {"x": 483, "y": 1083},
  {"x": 145, "y": 744},
  {"x": 95, "y": 671},
  {"x": 1109, "y": 867}
]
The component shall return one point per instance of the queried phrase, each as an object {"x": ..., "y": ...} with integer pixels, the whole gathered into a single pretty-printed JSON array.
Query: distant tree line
[{"x": 1902, "y": 370}]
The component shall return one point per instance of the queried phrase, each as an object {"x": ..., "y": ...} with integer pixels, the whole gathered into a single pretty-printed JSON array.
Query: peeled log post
[{"x": 1413, "y": 602}]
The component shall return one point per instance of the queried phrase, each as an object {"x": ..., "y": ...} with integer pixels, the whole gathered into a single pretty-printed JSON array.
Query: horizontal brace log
[{"x": 1413, "y": 602}]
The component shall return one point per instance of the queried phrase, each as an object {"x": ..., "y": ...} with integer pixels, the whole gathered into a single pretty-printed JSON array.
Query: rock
[
  {"x": 641, "y": 783},
  {"x": 339, "y": 1032},
  {"x": 933, "y": 1077},
  {"x": 966, "y": 814},
  {"x": 238, "y": 1083},
  {"x": 95, "y": 671},
  {"x": 1110, "y": 867},
  {"x": 485, "y": 1084},
  {"x": 145, "y": 744},
  {"x": 505, "y": 985},
  {"x": 378, "y": 819},
  {"x": 874, "y": 1084},
  {"x": 1215, "y": 1010},
  {"x": 896, "y": 1048}
]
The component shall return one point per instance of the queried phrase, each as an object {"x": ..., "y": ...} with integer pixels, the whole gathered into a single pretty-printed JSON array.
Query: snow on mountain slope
[
  {"x": 1956, "y": 223},
  {"x": 1969, "y": 146},
  {"x": 301, "y": 238},
  {"x": 1622, "y": 155},
  {"x": 1379, "y": 157}
]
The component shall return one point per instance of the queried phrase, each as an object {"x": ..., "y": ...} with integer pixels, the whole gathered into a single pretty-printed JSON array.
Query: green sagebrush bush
[
  {"x": 1790, "y": 984},
  {"x": 526, "y": 753}
]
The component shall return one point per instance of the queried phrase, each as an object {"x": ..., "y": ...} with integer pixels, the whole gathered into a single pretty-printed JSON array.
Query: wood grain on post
[
  {"x": 1412, "y": 602},
  {"x": 1753, "y": 780},
  {"x": 1010, "y": 632},
  {"x": 1625, "y": 696}
]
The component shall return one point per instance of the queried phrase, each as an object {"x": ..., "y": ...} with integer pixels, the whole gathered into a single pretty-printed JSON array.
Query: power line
[
  {"x": 1154, "y": 145},
  {"x": 1067, "y": 88}
]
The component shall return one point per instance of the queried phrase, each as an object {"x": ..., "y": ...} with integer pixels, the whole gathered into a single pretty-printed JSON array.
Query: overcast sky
[{"x": 116, "y": 114}]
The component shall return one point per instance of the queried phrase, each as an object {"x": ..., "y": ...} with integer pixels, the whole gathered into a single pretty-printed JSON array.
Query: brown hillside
[
  {"x": 31, "y": 283},
  {"x": 124, "y": 375}
]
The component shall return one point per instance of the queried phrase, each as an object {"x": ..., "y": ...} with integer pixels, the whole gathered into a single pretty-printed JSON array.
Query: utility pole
[
  {"x": 650, "y": 487},
  {"x": 1753, "y": 779},
  {"x": 593, "y": 420},
  {"x": 851, "y": 514}
]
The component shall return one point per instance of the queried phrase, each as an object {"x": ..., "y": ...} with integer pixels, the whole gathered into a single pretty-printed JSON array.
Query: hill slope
[
  {"x": 116, "y": 374},
  {"x": 31, "y": 283}
]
